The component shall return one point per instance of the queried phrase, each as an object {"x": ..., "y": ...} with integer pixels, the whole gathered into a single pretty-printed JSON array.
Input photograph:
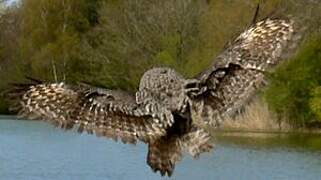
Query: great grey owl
[{"x": 163, "y": 111}]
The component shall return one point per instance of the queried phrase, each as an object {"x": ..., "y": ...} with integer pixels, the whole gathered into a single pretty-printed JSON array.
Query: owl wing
[
  {"x": 109, "y": 113},
  {"x": 240, "y": 69},
  {"x": 164, "y": 153}
]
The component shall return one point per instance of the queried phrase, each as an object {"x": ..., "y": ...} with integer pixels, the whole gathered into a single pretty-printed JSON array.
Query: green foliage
[
  {"x": 51, "y": 32},
  {"x": 315, "y": 102},
  {"x": 136, "y": 35},
  {"x": 289, "y": 92}
]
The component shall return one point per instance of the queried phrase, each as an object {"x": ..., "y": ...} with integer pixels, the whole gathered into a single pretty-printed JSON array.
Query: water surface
[{"x": 35, "y": 150}]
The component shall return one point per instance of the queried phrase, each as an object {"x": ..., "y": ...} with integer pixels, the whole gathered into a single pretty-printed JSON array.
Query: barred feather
[
  {"x": 196, "y": 142},
  {"x": 106, "y": 113},
  {"x": 163, "y": 155}
]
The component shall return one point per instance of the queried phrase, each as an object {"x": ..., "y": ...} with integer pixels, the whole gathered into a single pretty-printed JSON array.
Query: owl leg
[{"x": 196, "y": 142}]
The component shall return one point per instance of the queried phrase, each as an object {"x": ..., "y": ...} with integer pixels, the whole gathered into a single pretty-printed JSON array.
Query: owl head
[{"x": 164, "y": 86}]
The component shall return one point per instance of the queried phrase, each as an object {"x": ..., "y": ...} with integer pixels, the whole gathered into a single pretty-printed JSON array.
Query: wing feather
[
  {"x": 239, "y": 70},
  {"x": 108, "y": 113}
]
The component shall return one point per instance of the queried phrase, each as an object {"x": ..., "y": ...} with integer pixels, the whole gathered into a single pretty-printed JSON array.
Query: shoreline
[
  {"x": 225, "y": 130},
  {"x": 267, "y": 131},
  {"x": 4, "y": 117}
]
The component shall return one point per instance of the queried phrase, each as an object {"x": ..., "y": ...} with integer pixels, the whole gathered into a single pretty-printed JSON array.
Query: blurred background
[{"x": 110, "y": 43}]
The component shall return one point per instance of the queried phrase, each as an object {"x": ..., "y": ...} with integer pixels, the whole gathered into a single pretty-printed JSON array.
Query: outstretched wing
[
  {"x": 239, "y": 70},
  {"x": 164, "y": 153},
  {"x": 104, "y": 112}
]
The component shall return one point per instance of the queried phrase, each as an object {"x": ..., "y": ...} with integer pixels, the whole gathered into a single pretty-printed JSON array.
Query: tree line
[{"x": 111, "y": 43}]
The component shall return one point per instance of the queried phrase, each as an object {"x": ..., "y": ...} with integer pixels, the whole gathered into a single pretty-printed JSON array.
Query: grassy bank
[{"x": 255, "y": 117}]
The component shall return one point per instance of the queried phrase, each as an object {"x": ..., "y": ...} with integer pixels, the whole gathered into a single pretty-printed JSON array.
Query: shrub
[{"x": 289, "y": 92}]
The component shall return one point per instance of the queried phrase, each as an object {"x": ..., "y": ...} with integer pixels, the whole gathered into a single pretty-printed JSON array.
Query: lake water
[{"x": 35, "y": 150}]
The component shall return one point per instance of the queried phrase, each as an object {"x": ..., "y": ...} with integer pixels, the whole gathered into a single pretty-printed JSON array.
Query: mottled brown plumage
[
  {"x": 109, "y": 113},
  {"x": 166, "y": 151},
  {"x": 164, "y": 110},
  {"x": 240, "y": 69}
]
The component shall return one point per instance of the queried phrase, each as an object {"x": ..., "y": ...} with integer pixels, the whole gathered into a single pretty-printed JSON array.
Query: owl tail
[
  {"x": 165, "y": 152},
  {"x": 163, "y": 155}
]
